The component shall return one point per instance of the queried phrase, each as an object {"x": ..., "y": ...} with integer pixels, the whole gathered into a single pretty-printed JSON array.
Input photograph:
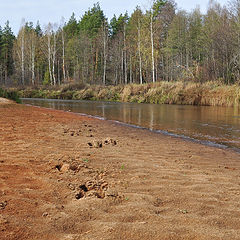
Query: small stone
[
  {"x": 65, "y": 168},
  {"x": 71, "y": 186},
  {"x": 73, "y": 167},
  {"x": 45, "y": 214},
  {"x": 97, "y": 144}
]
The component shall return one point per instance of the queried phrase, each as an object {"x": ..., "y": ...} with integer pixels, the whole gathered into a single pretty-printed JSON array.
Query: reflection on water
[{"x": 215, "y": 124}]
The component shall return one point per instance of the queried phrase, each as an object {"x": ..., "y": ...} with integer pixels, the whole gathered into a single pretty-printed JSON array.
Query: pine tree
[
  {"x": 6, "y": 52},
  {"x": 92, "y": 21}
]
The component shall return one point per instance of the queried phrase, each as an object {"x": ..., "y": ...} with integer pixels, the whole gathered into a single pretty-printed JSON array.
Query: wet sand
[{"x": 66, "y": 176}]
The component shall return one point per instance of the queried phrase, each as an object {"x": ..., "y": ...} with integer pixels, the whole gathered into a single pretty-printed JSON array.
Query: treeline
[{"x": 160, "y": 43}]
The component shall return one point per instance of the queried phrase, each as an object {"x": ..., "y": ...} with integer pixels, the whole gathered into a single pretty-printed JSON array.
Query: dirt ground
[{"x": 66, "y": 176}]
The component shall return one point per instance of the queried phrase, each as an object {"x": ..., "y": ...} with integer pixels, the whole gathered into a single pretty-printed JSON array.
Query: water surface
[{"x": 218, "y": 126}]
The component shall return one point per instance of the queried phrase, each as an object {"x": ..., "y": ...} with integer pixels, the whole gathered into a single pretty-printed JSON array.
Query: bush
[{"x": 10, "y": 94}]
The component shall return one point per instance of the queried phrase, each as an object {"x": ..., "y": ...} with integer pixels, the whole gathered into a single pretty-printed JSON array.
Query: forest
[{"x": 161, "y": 43}]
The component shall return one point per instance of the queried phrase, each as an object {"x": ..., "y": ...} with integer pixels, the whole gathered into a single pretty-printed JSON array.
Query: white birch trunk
[
  {"x": 22, "y": 55},
  {"x": 63, "y": 59},
  {"x": 122, "y": 67},
  {"x": 33, "y": 63},
  {"x": 58, "y": 73},
  {"x": 152, "y": 42},
  {"x": 54, "y": 58},
  {"x": 125, "y": 56},
  {"x": 139, "y": 52},
  {"x": 130, "y": 63},
  {"x": 104, "y": 55},
  {"x": 49, "y": 57}
]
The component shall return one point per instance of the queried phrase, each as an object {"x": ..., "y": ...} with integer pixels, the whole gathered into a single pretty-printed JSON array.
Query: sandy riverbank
[
  {"x": 65, "y": 176},
  {"x": 4, "y": 101}
]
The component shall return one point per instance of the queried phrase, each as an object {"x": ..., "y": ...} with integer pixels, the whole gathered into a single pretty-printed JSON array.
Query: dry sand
[
  {"x": 4, "y": 101},
  {"x": 65, "y": 176}
]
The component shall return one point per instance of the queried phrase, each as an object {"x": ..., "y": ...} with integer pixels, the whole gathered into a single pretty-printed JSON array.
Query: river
[{"x": 217, "y": 126}]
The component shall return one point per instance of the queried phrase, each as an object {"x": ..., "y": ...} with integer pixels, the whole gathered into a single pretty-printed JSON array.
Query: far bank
[{"x": 183, "y": 93}]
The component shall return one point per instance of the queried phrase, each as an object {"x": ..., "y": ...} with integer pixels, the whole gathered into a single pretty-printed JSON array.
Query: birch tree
[
  {"x": 49, "y": 51},
  {"x": 105, "y": 40},
  {"x": 22, "y": 36},
  {"x": 63, "y": 49},
  {"x": 155, "y": 11},
  {"x": 31, "y": 42}
]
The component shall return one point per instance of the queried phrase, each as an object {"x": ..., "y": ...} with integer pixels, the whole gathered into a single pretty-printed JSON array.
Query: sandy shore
[
  {"x": 4, "y": 101},
  {"x": 65, "y": 176}
]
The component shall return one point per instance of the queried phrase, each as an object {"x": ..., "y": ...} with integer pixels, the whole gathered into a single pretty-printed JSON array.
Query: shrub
[{"x": 10, "y": 94}]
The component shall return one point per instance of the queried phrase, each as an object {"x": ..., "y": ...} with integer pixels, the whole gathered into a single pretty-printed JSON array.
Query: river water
[{"x": 217, "y": 126}]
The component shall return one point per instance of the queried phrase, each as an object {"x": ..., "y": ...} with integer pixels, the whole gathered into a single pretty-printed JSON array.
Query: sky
[{"x": 53, "y": 10}]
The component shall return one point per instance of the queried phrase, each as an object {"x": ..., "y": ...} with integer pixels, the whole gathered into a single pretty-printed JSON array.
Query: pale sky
[{"x": 53, "y": 10}]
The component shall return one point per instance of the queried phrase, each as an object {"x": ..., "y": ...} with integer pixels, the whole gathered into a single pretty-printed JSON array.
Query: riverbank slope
[
  {"x": 66, "y": 176},
  {"x": 184, "y": 93}
]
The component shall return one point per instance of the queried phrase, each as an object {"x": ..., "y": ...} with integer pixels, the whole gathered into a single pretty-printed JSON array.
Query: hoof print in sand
[
  {"x": 3, "y": 205},
  {"x": 95, "y": 144},
  {"x": 100, "y": 144},
  {"x": 63, "y": 168},
  {"x": 111, "y": 141},
  {"x": 72, "y": 132},
  {"x": 92, "y": 189},
  {"x": 114, "y": 195}
]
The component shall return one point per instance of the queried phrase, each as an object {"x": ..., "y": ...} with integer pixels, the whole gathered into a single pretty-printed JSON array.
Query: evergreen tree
[
  {"x": 1, "y": 57},
  {"x": 92, "y": 21},
  {"x": 38, "y": 29},
  {"x": 6, "y": 51},
  {"x": 71, "y": 28},
  {"x": 113, "y": 26}
]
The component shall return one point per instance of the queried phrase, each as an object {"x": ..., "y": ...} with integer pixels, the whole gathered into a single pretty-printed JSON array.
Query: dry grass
[{"x": 186, "y": 93}]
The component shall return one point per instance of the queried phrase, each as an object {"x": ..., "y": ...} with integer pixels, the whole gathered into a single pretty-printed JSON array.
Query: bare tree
[
  {"x": 139, "y": 51},
  {"x": 22, "y": 32},
  {"x": 105, "y": 38},
  {"x": 125, "y": 54},
  {"x": 49, "y": 47},
  {"x": 63, "y": 49},
  {"x": 152, "y": 45}
]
